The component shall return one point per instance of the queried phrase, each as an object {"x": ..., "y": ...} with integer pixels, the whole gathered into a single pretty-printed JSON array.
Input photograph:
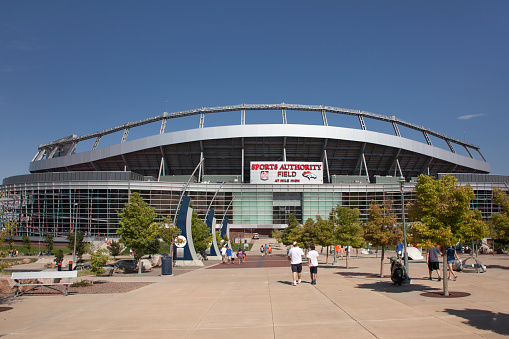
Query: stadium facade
[{"x": 254, "y": 174}]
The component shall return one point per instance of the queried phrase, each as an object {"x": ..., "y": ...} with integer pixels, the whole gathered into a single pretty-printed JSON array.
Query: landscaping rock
[
  {"x": 26, "y": 261},
  {"x": 146, "y": 265},
  {"x": 156, "y": 260}
]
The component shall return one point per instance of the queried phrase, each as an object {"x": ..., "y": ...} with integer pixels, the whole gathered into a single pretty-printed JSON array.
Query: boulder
[
  {"x": 26, "y": 261},
  {"x": 146, "y": 265},
  {"x": 156, "y": 260},
  {"x": 4, "y": 281},
  {"x": 49, "y": 265}
]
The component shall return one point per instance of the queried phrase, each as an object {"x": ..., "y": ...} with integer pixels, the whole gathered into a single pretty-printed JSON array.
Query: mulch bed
[{"x": 441, "y": 294}]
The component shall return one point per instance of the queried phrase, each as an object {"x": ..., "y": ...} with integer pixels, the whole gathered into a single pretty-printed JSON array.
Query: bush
[{"x": 97, "y": 260}]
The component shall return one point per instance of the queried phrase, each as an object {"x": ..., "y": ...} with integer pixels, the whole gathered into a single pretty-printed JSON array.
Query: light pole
[
  {"x": 75, "y": 227},
  {"x": 334, "y": 232},
  {"x": 401, "y": 186}
]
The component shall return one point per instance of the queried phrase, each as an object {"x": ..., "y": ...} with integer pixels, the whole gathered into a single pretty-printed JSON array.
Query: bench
[{"x": 19, "y": 276}]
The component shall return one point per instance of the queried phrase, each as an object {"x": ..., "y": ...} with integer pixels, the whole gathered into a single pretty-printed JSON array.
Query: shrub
[{"x": 97, "y": 260}]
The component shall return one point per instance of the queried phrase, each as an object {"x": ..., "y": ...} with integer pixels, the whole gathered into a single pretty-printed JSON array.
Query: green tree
[
  {"x": 289, "y": 235},
  {"x": 154, "y": 247},
  {"x": 97, "y": 260},
  {"x": 202, "y": 237},
  {"x": 137, "y": 227},
  {"x": 59, "y": 256},
  {"x": 168, "y": 232},
  {"x": 324, "y": 233},
  {"x": 8, "y": 233},
  {"x": 348, "y": 230},
  {"x": 27, "y": 242},
  {"x": 278, "y": 235},
  {"x": 307, "y": 234},
  {"x": 81, "y": 245},
  {"x": 48, "y": 239},
  {"x": 500, "y": 221},
  {"x": 115, "y": 248},
  {"x": 442, "y": 215},
  {"x": 381, "y": 229}
]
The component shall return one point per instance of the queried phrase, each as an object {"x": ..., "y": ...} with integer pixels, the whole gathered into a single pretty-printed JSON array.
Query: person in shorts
[
  {"x": 452, "y": 256},
  {"x": 432, "y": 255},
  {"x": 313, "y": 263},
  {"x": 295, "y": 256}
]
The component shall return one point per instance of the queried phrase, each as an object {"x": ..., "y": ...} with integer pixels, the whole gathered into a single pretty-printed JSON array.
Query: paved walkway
[{"x": 241, "y": 302}]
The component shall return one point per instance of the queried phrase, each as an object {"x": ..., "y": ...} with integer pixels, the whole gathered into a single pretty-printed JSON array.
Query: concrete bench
[{"x": 18, "y": 277}]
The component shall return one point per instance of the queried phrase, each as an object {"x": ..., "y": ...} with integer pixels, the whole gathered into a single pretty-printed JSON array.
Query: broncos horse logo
[{"x": 309, "y": 175}]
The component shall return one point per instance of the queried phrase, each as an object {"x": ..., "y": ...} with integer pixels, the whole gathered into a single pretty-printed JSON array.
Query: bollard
[
  {"x": 59, "y": 266},
  {"x": 70, "y": 265}
]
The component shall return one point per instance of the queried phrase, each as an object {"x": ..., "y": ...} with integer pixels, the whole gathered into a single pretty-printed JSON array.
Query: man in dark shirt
[{"x": 432, "y": 255}]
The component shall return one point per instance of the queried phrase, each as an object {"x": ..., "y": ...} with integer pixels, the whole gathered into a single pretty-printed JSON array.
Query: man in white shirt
[
  {"x": 295, "y": 256},
  {"x": 223, "y": 254},
  {"x": 313, "y": 264}
]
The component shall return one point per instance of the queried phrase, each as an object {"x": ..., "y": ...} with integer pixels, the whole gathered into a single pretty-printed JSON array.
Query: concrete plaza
[{"x": 258, "y": 301}]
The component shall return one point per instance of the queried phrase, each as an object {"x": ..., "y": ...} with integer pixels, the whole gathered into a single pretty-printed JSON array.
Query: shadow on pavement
[
  {"x": 390, "y": 287},
  {"x": 483, "y": 319}
]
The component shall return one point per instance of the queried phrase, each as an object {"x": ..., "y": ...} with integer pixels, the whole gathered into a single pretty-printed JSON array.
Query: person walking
[
  {"x": 452, "y": 256},
  {"x": 295, "y": 256},
  {"x": 270, "y": 250},
  {"x": 239, "y": 256},
  {"x": 228, "y": 255},
  {"x": 313, "y": 264},
  {"x": 432, "y": 255},
  {"x": 223, "y": 254}
]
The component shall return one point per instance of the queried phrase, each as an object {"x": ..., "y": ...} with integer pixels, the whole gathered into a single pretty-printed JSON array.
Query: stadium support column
[{"x": 242, "y": 163}]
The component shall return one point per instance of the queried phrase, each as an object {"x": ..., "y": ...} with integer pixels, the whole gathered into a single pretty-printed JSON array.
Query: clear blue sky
[{"x": 76, "y": 67}]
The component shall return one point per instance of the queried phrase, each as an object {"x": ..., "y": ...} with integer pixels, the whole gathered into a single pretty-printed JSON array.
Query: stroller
[{"x": 397, "y": 271}]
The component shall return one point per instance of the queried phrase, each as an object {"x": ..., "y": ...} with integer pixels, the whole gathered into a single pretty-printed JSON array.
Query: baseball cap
[{"x": 294, "y": 243}]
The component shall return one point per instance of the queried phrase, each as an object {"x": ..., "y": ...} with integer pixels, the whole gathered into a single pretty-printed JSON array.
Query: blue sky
[{"x": 76, "y": 67}]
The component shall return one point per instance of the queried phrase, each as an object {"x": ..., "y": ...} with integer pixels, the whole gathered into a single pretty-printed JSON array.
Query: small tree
[
  {"x": 442, "y": 213},
  {"x": 202, "y": 237},
  {"x": 307, "y": 234},
  {"x": 289, "y": 235},
  {"x": 500, "y": 221},
  {"x": 27, "y": 242},
  {"x": 48, "y": 239},
  {"x": 137, "y": 227},
  {"x": 97, "y": 260},
  {"x": 278, "y": 235},
  {"x": 323, "y": 233},
  {"x": 81, "y": 246},
  {"x": 59, "y": 256},
  {"x": 381, "y": 229},
  {"x": 9, "y": 232},
  {"x": 168, "y": 232},
  {"x": 154, "y": 247},
  {"x": 348, "y": 230},
  {"x": 115, "y": 248}
]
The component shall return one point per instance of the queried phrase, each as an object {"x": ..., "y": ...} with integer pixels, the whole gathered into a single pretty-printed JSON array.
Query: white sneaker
[
  {"x": 294, "y": 283},
  {"x": 298, "y": 281}
]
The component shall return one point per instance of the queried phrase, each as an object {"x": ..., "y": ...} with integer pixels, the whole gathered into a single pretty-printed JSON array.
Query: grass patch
[
  {"x": 84, "y": 273},
  {"x": 82, "y": 283}
]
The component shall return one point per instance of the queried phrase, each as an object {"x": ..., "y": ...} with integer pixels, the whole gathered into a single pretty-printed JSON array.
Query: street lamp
[
  {"x": 401, "y": 186},
  {"x": 334, "y": 233},
  {"x": 75, "y": 227}
]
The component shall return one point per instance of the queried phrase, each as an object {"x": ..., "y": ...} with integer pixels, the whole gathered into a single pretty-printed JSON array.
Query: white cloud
[{"x": 470, "y": 116}]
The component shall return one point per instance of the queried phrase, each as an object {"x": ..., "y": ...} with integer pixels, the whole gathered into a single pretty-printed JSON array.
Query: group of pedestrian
[
  {"x": 266, "y": 250},
  {"x": 228, "y": 256},
  {"x": 295, "y": 255},
  {"x": 432, "y": 259}
]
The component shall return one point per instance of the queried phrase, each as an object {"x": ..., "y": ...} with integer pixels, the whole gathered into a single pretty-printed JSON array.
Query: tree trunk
[
  {"x": 382, "y": 263},
  {"x": 445, "y": 280},
  {"x": 139, "y": 255}
]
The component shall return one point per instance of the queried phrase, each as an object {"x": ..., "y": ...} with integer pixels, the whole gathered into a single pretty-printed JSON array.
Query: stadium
[{"x": 253, "y": 174}]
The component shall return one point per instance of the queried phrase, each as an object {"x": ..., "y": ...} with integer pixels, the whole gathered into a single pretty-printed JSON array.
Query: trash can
[{"x": 166, "y": 266}]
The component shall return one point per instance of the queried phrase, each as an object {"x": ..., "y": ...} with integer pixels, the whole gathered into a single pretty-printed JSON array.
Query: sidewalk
[{"x": 260, "y": 303}]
